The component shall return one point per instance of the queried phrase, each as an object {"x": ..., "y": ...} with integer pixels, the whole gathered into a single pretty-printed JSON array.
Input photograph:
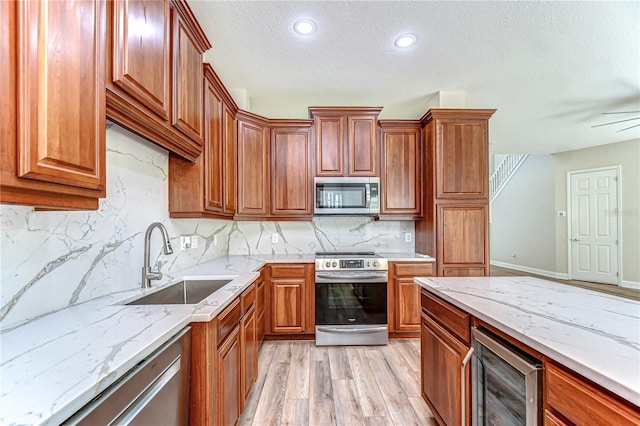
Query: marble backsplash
[{"x": 50, "y": 260}]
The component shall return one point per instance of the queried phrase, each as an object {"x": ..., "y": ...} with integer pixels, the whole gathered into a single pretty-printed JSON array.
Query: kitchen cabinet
[
  {"x": 52, "y": 144},
  {"x": 291, "y": 299},
  {"x": 581, "y": 402},
  {"x": 260, "y": 307},
  {"x": 274, "y": 169},
  {"x": 291, "y": 184},
  {"x": 253, "y": 170},
  {"x": 401, "y": 169},
  {"x": 248, "y": 342},
  {"x": 346, "y": 140},
  {"x": 206, "y": 187},
  {"x": 445, "y": 370},
  {"x": 455, "y": 224},
  {"x": 154, "y": 81},
  {"x": 229, "y": 365},
  {"x": 404, "y": 297}
]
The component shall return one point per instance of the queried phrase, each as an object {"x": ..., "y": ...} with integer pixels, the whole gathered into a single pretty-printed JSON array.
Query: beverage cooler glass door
[{"x": 506, "y": 383}]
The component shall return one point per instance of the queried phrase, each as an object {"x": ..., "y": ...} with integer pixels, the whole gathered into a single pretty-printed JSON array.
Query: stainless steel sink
[{"x": 186, "y": 292}]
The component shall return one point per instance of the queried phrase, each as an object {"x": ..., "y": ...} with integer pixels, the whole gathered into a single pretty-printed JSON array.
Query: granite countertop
[
  {"x": 594, "y": 334},
  {"x": 53, "y": 365}
]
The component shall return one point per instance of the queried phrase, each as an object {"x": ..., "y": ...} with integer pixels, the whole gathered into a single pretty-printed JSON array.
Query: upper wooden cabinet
[
  {"x": 461, "y": 142},
  {"x": 401, "y": 171},
  {"x": 346, "y": 140},
  {"x": 52, "y": 145},
  {"x": 206, "y": 187},
  {"x": 253, "y": 171},
  {"x": 455, "y": 224},
  {"x": 154, "y": 73},
  {"x": 291, "y": 184},
  {"x": 274, "y": 168}
]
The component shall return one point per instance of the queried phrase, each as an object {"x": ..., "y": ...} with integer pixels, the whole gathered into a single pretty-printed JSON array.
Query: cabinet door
[
  {"x": 463, "y": 235},
  {"x": 330, "y": 149},
  {"x": 253, "y": 175},
  {"x": 229, "y": 379},
  {"x": 401, "y": 172},
  {"x": 462, "y": 158},
  {"x": 230, "y": 160},
  {"x": 214, "y": 165},
  {"x": 187, "y": 80},
  {"x": 61, "y": 96},
  {"x": 407, "y": 306},
  {"x": 141, "y": 52},
  {"x": 463, "y": 272},
  {"x": 291, "y": 191},
  {"x": 287, "y": 299},
  {"x": 443, "y": 384},
  {"x": 362, "y": 143},
  {"x": 249, "y": 345}
]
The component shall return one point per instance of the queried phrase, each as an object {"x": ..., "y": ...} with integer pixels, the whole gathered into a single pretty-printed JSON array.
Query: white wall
[
  {"x": 627, "y": 155},
  {"x": 51, "y": 260},
  {"x": 522, "y": 218}
]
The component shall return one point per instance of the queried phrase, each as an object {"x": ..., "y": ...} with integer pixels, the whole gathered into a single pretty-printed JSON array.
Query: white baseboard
[
  {"x": 543, "y": 272},
  {"x": 631, "y": 284}
]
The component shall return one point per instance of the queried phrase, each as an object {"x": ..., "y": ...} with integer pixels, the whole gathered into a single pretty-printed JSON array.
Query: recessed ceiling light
[
  {"x": 304, "y": 26},
  {"x": 405, "y": 40}
]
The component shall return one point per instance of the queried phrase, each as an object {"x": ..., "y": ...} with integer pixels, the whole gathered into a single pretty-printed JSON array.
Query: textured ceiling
[{"x": 550, "y": 68}]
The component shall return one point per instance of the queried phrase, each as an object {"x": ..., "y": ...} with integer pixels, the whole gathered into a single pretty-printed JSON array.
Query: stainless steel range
[{"x": 351, "y": 299}]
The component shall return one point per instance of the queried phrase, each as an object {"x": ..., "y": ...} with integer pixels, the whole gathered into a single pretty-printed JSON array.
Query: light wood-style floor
[
  {"x": 301, "y": 384},
  {"x": 631, "y": 293}
]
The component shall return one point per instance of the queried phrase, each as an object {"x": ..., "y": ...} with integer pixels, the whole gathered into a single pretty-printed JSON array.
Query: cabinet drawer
[
  {"x": 247, "y": 298},
  {"x": 260, "y": 297},
  {"x": 413, "y": 269},
  {"x": 450, "y": 317},
  {"x": 288, "y": 271},
  {"x": 228, "y": 320},
  {"x": 583, "y": 403}
]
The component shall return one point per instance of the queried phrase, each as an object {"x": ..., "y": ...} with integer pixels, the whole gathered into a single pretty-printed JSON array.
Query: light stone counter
[
  {"x": 51, "y": 366},
  {"x": 407, "y": 257},
  {"x": 594, "y": 334}
]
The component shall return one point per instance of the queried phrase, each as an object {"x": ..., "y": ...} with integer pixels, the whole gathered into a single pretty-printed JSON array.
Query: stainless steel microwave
[{"x": 347, "y": 196}]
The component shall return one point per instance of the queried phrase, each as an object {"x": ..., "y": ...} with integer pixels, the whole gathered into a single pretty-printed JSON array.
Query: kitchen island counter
[{"x": 594, "y": 334}]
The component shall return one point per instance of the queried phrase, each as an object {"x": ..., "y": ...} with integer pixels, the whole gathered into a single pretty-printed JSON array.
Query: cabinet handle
[{"x": 463, "y": 386}]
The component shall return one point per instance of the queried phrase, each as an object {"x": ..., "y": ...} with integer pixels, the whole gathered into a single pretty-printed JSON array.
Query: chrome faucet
[{"x": 147, "y": 274}]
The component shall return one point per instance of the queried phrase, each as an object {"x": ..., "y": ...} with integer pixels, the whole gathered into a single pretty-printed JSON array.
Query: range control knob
[
  {"x": 375, "y": 264},
  {"x": 334, "y": 264},
  {"x": 367, "y": 264},
  {"x": 327, "y": 264}
]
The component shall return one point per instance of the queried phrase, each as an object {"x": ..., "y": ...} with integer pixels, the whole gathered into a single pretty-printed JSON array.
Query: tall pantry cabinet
[{"x": 455, "y": 225}]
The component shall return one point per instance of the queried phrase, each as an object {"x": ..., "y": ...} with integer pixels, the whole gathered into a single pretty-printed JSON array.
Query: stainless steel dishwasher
[{"x": 155, "y": 392}]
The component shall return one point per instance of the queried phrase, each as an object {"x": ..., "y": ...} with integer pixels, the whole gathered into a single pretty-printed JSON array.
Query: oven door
[{"x": 351, "y": 308}]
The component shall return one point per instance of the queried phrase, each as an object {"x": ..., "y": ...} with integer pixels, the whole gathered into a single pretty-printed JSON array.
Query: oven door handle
[
  {"x": 352, "y": 330},
  {"x": 352, "y": 277}
]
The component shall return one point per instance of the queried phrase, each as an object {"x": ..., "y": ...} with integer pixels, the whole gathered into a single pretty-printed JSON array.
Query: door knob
[{"x": 575, "y": 240}]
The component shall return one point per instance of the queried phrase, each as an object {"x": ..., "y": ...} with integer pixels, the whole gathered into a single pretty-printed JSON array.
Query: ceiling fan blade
[
  {"x": 635, "y": 125},
  {"x": 616, "y": 122}
]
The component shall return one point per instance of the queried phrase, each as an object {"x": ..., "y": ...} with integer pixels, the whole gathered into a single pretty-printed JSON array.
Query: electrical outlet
[
  {"x": 513, "y": 255},
  {"x": 215, "y": 240},
  {"x": 407, "y": 237},
  {"x": 275, "y": 238},
  {"x": 194, "y": 241},
  {"x": 185, "y": 242}
]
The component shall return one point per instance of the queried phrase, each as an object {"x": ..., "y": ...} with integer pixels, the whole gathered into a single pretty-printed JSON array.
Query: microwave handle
[{"x": 367, "y": 195}]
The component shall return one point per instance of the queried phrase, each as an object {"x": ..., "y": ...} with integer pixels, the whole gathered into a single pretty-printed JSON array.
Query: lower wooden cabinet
[
  {"x": 404, "y": 295},
  {"x": 291, "y": 299},
  {"x": 248, "y": 342},
  {"x": 445, "y": 367},
  {"x": 260, "y": 309},
  {"x": 228, "y": 361},
  {"x": 581, "y": 402}
]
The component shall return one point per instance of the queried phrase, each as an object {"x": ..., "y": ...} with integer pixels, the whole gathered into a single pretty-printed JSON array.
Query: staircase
[{"x": 503, "y": 173}]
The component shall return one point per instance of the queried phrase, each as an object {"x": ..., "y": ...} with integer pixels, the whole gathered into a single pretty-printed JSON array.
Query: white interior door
[{"x": 594, "y": 226}]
